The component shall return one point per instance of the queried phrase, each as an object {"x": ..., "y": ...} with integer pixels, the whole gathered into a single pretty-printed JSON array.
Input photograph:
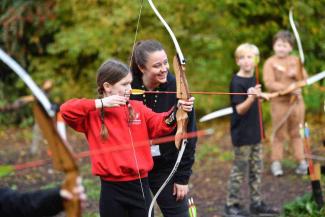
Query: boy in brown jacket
[{"x": 281, "y": 71}]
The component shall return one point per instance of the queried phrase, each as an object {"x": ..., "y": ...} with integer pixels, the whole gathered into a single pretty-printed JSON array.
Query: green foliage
[
  {"x": 93, "y": 192},
  {"x": 303, "y": 206},
  {"x": 5, "y": 170},
  {"x": 212, "y": 151},
  {"x": 93, "y": 189},
  {"x": 76, "y": 38},
  {"x": 205, "y": 151},
  {"x": 96, "y": 214}
]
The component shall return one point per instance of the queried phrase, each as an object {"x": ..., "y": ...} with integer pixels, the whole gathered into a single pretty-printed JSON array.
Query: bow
[
  {"x": 182, "y": 93},
  {"x": 313, "y": 175},
  {"x": 62, "y": 156}
]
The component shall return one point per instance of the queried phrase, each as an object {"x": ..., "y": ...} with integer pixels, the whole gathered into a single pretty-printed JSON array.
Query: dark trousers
[
  {"x": 166, "y": 201},
  {"x": 124, "y": 199}
]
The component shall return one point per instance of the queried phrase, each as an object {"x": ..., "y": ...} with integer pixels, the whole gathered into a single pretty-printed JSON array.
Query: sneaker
[
  {"x": 276, "y": 168},
  {"x": 235, "y": 211},
  {"x": 263, "y": 210},
  {"x": 302, "y": 168}
]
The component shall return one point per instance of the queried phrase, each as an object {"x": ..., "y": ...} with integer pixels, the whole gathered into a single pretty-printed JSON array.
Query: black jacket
[
  {"x": 162, "y": 103},
  {"x": 31, "y": 204}
]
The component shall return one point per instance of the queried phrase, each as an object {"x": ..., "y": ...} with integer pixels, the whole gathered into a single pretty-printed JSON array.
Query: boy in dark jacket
[{"x": 245, "y": 135}]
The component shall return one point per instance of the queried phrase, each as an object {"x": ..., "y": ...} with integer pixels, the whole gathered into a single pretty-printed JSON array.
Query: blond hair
[{"x": 243, "y": 48}]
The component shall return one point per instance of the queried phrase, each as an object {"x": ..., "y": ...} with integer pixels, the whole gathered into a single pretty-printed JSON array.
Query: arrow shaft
[{"x": 194, "y": 92}]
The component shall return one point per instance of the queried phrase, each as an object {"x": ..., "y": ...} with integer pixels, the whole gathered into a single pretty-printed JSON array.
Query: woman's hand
[
  {"x": 186, "y": 105},
  {"x": 180, "y": 191},
  {"x": 111, "y": 101},
  {"x": 279, "y": 67}
]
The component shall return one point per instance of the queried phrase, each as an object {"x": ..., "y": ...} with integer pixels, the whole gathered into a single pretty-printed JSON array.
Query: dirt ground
[{"x": 207, "y": 185}]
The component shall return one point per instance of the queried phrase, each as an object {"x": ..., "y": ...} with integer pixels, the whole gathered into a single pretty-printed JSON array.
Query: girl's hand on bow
[{"x": 186, "y": 105}]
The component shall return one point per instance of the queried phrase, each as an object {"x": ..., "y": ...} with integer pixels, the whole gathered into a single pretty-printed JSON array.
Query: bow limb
[
  {"x": 296, "y": 34},
  {"x": 171, "y": 33},
  {"x": 300, "y": 75},
  {"x": 37, "y": 92},
  {"x": 63, "y": 159}
]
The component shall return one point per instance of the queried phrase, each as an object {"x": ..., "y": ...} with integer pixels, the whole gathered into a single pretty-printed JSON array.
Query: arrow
[
  {"x": 227, "y": 111},
  {"x": 140, "y": 92}
]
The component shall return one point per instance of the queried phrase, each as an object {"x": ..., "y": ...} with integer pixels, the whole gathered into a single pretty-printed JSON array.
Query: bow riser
[{"x": 182, "y": 93}]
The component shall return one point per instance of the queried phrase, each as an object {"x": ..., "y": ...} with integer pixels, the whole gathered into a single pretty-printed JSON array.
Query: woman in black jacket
[{"x": 150, "y": 69}]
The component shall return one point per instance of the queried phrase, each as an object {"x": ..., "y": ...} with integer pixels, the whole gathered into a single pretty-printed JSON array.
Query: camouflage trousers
[{"x": 248, "y": 160}]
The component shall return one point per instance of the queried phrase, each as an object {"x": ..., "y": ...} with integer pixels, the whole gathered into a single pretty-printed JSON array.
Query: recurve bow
[
  {"x": 62, "y": 155},
  {"x": 182, "y": 93},
  {"x": 313, "y": 174}
]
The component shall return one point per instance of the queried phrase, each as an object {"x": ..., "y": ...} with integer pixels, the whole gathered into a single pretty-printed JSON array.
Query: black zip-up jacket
[
  {"x": 162, "y": 103},
  {"x": 30, "y": 204}
]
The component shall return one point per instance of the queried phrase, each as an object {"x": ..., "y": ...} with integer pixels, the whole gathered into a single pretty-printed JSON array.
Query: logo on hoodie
[{"x": 136, "y": 119}]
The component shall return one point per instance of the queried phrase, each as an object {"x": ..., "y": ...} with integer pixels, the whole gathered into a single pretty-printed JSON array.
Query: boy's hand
[
  {"x": 279, "y": 67},
  {"x": 292, "y": 87},
  {"x": 255, "y": 91},
  {"x": 266, "y": 96},
  {"x": 292, "y": 73},
  {"x": 252, "y": 93}
]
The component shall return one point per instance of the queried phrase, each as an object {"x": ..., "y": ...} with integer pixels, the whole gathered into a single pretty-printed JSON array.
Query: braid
[
  {"x": 131, "y": 112},
  {"x": 104, "y": 130}
]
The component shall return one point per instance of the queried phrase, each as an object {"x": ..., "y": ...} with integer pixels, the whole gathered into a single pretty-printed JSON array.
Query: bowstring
[
  {"x": 133, "y": 148},
  {"x": 136, "y": 32}
]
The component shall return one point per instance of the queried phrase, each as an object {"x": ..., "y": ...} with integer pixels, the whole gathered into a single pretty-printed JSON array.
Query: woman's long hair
[{"x": 141, "y": 53}]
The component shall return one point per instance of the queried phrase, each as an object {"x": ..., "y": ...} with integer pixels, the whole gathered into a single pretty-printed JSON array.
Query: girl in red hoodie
[{"x": 119, "y": 129}]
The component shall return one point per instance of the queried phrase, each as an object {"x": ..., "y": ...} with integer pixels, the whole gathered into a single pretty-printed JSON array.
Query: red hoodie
[{"x": 116, "y": 160}]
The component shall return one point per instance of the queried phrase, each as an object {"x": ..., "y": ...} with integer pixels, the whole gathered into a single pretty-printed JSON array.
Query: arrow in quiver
[{"x": 314, "y": 169}]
